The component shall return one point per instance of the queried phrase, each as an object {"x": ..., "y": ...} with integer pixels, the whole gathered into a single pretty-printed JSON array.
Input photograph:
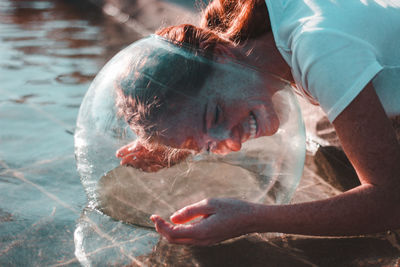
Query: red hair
[
  {"x": 224, "y": 23},
  {"x": 237, "y": 20}
]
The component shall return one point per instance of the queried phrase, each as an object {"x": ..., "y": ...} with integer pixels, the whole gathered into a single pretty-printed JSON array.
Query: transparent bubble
[{"x": 265, "y": 170}]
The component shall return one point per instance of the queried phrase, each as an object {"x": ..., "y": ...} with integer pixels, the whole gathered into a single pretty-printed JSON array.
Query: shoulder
[
  {"x": 290, "y": 19},
  {"x": 333, "y": 67}
]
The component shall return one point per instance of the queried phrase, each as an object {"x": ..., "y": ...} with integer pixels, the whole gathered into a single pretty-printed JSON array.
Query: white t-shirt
[{"x": 335, "y": 47}]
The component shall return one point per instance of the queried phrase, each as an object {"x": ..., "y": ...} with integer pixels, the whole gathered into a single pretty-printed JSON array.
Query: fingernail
[{"x": 152, "y": 217}]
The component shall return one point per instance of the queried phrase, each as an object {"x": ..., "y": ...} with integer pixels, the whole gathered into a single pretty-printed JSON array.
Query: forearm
[
  {"x": 365, "y": 209},
  {"x": 369, "y": 141}
]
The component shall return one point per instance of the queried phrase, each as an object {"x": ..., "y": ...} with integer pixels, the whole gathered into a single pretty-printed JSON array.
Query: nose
[
  {"x": 234, "y": 142},
  {"x": 225, "y": 142}
]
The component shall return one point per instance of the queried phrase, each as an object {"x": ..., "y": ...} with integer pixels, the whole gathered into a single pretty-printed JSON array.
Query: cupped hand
[
  {"x": 150, "y": 160},
  {"x": 219, "y": 219}
]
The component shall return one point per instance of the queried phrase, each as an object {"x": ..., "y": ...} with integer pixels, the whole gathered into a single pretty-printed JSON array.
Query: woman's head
[
  {"x": 231, "y": 107},
  {"x": 186, "y": 102}
]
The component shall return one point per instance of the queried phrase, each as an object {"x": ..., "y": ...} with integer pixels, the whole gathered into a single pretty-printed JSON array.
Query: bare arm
[{"x": 369, "y": 141}]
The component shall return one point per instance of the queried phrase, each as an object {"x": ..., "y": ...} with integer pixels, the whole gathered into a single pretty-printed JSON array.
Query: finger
[
  {"x": 142, "y": 164},
  {"x": 136, "y": 159},
  {"x": 120, "y": 152},
  {"x": 191, "y": 212},
  {"x": 174, "y": 233},
  {"x": 128, "y": 149},
  {"x": 130, "y": 160}
]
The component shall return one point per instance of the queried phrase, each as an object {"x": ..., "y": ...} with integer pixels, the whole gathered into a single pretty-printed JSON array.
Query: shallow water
[{"x": 49, "y": 53}]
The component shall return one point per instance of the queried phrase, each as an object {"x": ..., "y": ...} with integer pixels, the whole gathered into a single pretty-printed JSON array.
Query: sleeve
[{"x": 333, "y": 68}]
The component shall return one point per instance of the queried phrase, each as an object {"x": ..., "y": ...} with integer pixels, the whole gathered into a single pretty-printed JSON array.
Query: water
[{"x": 49, "y": 52}]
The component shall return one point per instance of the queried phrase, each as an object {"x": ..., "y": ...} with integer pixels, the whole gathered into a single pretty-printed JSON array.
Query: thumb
[{"x": 189, "y": 213}]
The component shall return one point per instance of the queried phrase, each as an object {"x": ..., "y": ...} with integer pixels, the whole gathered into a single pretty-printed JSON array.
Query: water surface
[{"x": 49, "y": 53}]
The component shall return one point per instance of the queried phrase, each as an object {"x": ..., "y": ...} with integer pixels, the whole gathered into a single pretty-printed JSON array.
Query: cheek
[
  {"x": 238, "y": 112},
  {"x": 182, "y": 128}
]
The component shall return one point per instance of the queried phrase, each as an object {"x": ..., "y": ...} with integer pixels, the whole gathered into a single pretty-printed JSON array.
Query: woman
[{"x": 342, "y": 55}]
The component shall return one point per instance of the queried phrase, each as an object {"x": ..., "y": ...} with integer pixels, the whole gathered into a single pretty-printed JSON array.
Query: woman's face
[{"x": 229, "y": 110}]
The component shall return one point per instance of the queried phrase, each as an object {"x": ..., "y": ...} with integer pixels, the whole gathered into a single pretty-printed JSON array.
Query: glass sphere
[{"x": 265, "y": 170}]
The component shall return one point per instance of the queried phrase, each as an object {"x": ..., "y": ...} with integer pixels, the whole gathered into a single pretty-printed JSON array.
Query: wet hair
[{"x": 225, "y": 25}]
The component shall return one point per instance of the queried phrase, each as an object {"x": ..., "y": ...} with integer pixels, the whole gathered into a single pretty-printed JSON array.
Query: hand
[
  {"x": 149, "y": 160},
  {"x": 220, "y": 219}
]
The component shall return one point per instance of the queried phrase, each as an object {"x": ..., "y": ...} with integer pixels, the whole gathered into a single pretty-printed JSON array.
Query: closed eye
[
  {"x": 205, "y": 124},
  {"x": 213, "y": 115},
  {"x": 217, "y": 114}
]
